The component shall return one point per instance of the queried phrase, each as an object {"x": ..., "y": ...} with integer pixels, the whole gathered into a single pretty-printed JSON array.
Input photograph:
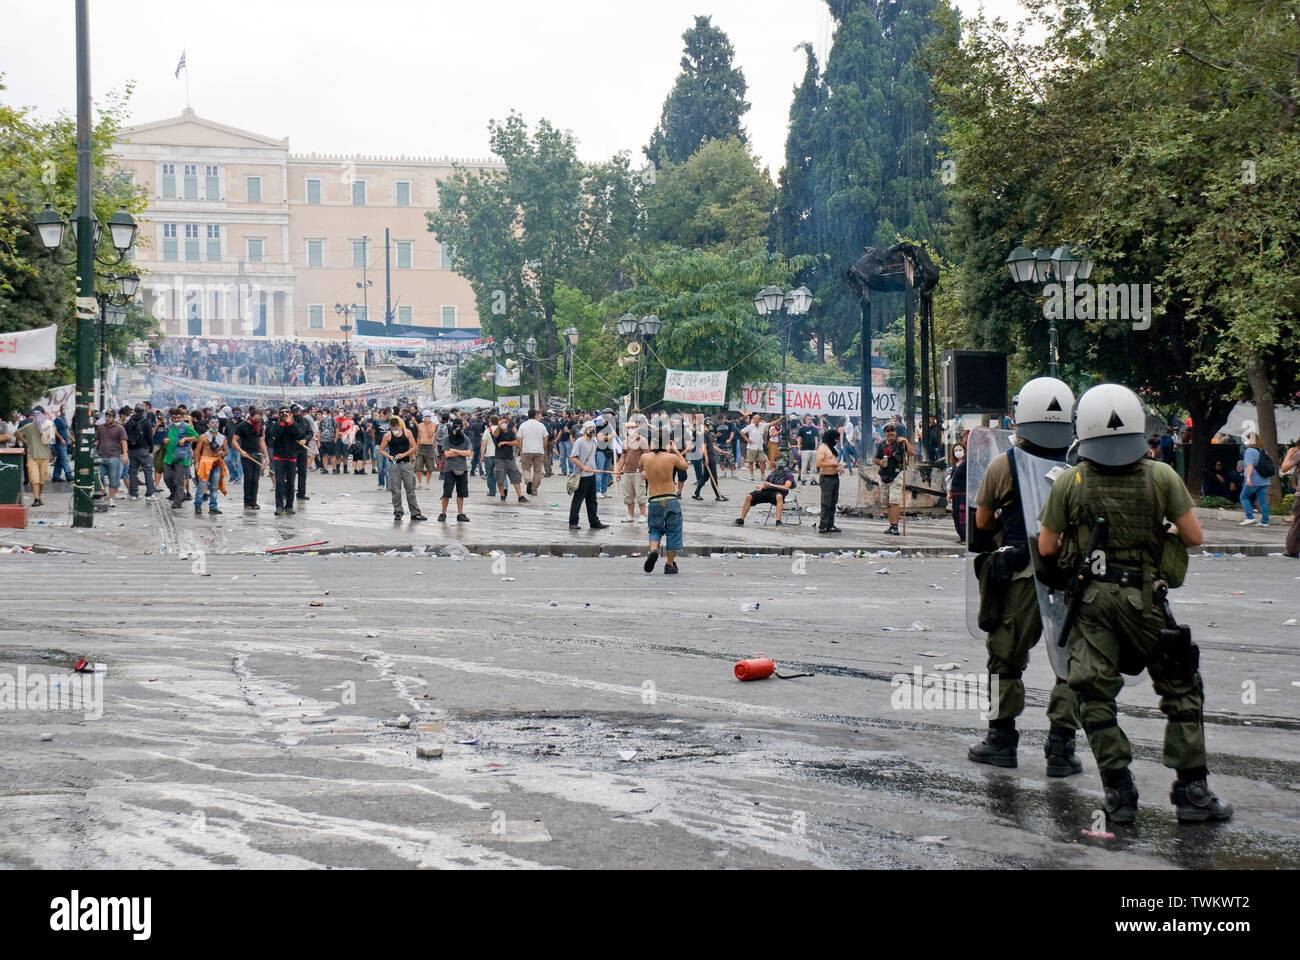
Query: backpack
[
  {"x": 1265, "y": 466},
  {"x": 138, "y": 433}
]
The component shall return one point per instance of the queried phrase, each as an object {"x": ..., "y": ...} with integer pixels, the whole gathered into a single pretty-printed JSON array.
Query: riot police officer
[
  {"x": 1009, "y": 606},
  {"x": 1117, "y": 501}
]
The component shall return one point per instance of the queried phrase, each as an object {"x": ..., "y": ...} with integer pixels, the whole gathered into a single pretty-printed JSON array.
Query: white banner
[
  {"x": 801, "y": 398},
  {"x": 29, "y": 349},
  {"x": 414, "y": 343},
  {"x": 886, "y": 403},
  {"x": 696, "y": 387},
  {"x": 212, "y": 389},
  {"x": 506, "y": 378},
  {"x": 60, "y": 400},
  {"x": 442, "y": 384}
]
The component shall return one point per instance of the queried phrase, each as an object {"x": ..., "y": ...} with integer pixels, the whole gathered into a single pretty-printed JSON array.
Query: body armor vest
[
  {"x": 1126, "y": 498},
  {"x": 1012, "y": 516}
]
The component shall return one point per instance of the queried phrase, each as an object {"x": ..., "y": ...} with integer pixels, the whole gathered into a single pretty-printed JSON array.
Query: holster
[
  {"x": 1179, "y": 657},
  {"x": 1007, "y": 561},
  {"x": 989, "y": 615}
]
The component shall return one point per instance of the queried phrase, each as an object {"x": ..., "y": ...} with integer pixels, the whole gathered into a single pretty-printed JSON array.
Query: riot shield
[
  {"x": 1035, "y": 476},
  {"x": 982, "y": 446}
]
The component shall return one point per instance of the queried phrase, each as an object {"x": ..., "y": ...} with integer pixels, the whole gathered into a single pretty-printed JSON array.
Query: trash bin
[{"x": 11, "y": 475}]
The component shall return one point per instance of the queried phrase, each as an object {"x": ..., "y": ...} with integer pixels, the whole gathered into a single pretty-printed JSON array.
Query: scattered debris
[
  {"x": 1289, "y": 623},
  {"x": 317, "y": 603},
  {"x": 403, "y": 721},
  {"x": 883, "y": 570},
  {"x": 467, "y": 743},
  {"x": 46, "y": 737},
  {"x": 626, "y": 755},
  {"x": 947, "y": 666},
  {"x": 1099, "y": 834},
  {"x": 428, "y": 753},
  {"x": 932, "y": 839}
]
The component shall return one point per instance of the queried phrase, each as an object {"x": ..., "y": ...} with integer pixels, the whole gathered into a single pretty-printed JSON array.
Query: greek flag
[{"x": 181, "y": 65}]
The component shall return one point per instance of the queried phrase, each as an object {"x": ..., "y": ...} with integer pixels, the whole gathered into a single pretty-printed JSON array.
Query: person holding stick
[{"x": 891, "y": 458}]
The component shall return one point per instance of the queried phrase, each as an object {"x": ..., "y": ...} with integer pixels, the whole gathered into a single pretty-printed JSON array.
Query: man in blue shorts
[{"x": 664, "y": 518}]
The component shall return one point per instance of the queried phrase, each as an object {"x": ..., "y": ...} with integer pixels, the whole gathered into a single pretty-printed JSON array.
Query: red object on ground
[
  {"x": 13, "y": 516},
  {"x": 82, "y": 666},
  {"x": 755, "y": 669}
]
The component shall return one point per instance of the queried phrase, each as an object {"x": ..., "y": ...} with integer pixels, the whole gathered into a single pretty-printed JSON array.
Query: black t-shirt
[
  {"x": 249, "y": 438},
  {"x": 808, "y": 437},
  {"x": 505, "y": 435},
  {"x": 893, "y": 453},
  {"x": 281, "y": 440},
  {"x": 725, "y": 432}
]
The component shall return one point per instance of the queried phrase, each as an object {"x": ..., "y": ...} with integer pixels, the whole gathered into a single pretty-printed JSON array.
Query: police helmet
[
  {"x": 1111, "y": 423},
  {"x": 1042, "y": 411}
]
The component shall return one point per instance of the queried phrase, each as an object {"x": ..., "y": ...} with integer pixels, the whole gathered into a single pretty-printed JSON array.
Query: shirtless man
[
  {"x": 426, "y": 458},
  {"x": 659, "y": 465}
]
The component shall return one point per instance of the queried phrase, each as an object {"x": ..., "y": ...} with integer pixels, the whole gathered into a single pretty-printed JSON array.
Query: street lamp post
[
  {"x": 1032, "y": 270},
  {"x": 530, "y": 350},
  {"x": 491, "y": 352},
  {"x": 347, "y": 313},
  {"x": 570, "y": 342},
  {"x": 88, "y": 231},
  {"x": 640, "y": 331},
  {"x": 769, "y": 302}
]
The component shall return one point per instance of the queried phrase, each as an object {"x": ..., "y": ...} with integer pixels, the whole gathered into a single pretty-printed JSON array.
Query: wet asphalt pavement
[{"x": 589, "y": 717}]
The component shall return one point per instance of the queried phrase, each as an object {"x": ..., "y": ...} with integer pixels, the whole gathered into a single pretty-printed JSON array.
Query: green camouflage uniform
[{"x": 1118, "y": 627}]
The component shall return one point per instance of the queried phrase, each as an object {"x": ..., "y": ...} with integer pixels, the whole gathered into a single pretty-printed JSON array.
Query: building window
[
  {"x": 403, "y": 193},
  {"x": 313, "y": 190},
  {"x": 449, "y": 316},
  {"x": 169, "y": 181},
  {"x": 253, "y": 189},
  {"x": 191, "y": 181},
  {"x": 404, "y": 316},
  {"x": 214, "y": 241},
  {"x": 191, "y": 241},
  {"x": 315, "y": 253},
  {"x": 216, "y": 305},
  {"x": 169, "y": 241},
  {"x": 448, "y": 256},
  {"x": 358, "y": 193},
  {"x": 316, "y": 317},
  {"x": 255, "y": 249},
  {"x": 212, "y": 184},
  {"x": 404, "y": 254},
  {"x": 358, "y": 253}
]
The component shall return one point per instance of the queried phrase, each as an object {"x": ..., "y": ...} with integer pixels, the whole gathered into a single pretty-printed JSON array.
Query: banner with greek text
[
  {"x": 801, "y": 398},
  {"x": 697, "y": 387}
]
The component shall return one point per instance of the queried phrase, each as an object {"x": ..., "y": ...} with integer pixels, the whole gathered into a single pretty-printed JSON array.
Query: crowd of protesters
[{"x": 279, "y": 363}]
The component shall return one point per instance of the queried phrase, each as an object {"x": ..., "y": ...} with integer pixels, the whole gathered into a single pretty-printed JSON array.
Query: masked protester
[
  {"x": 829, "y": 468},
  {"x": 957, "y": 490},
  {"x": 1118, "y": 502},
  {"x": 249, "y": 443},
  {"x": 399, "y": 446},
  {"x": 455, "y": 469},
  {"x": 210, "y": 467},
  {"x": 283, "y": 441}
]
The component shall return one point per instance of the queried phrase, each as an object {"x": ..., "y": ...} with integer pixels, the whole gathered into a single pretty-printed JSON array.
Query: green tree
[
  {"x": 861, "y": 164},
  {"x": 707, "y": 100},
  {"x": 598, "y": 380},
  {"x": 38, "y": 166},
  {"x": 547, "y": 218},
  {"x": 706, "y": 302},
  {"x": 1164, "y": 138},
  {"x": 716, "y": 199}
]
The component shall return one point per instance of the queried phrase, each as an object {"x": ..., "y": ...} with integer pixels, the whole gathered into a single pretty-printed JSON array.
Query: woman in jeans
[
  {"x": 1255, "y": 488},
  {"x": 488, "y": 455}
]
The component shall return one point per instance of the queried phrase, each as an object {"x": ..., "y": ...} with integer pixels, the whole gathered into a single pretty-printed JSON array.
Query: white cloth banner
[
  {"x": 218, "y": 389},
  {"x": 60, "y": 400},
  {"x": 442, "y": 384},
  {"x": 698, "y": 387},
  {"x": 415, "y": 343},
  {"x": 801, "y": 398},
  {"x": 505, "y": 378},
  {"x": 29, "y": 349}
]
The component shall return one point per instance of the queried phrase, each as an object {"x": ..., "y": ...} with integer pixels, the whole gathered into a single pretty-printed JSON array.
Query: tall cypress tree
[
  {"x": 706, "y": 102},
  {"x": 870, "y": 137}
]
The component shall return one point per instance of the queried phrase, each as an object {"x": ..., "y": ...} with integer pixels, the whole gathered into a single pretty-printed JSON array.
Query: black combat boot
[
  {"x": 1059, "y": 751},
  {"x": 998, "y": 747},
  {"x": 1195, "y": 802},
  {"x": 1121, "y": 798}
]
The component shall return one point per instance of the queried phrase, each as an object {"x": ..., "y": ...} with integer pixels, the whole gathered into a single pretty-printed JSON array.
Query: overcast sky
[{"x": 414, "y": 76}]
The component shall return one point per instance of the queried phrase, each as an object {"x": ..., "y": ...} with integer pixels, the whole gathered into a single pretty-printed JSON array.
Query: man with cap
[
  {"x": 1008, "y": 590},
  {"x": 1114, "y": 505},
  {"x": 770, "y": 492},
  {"x": 891, "y": 458},
  {"x": 583, "y": 458}
]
